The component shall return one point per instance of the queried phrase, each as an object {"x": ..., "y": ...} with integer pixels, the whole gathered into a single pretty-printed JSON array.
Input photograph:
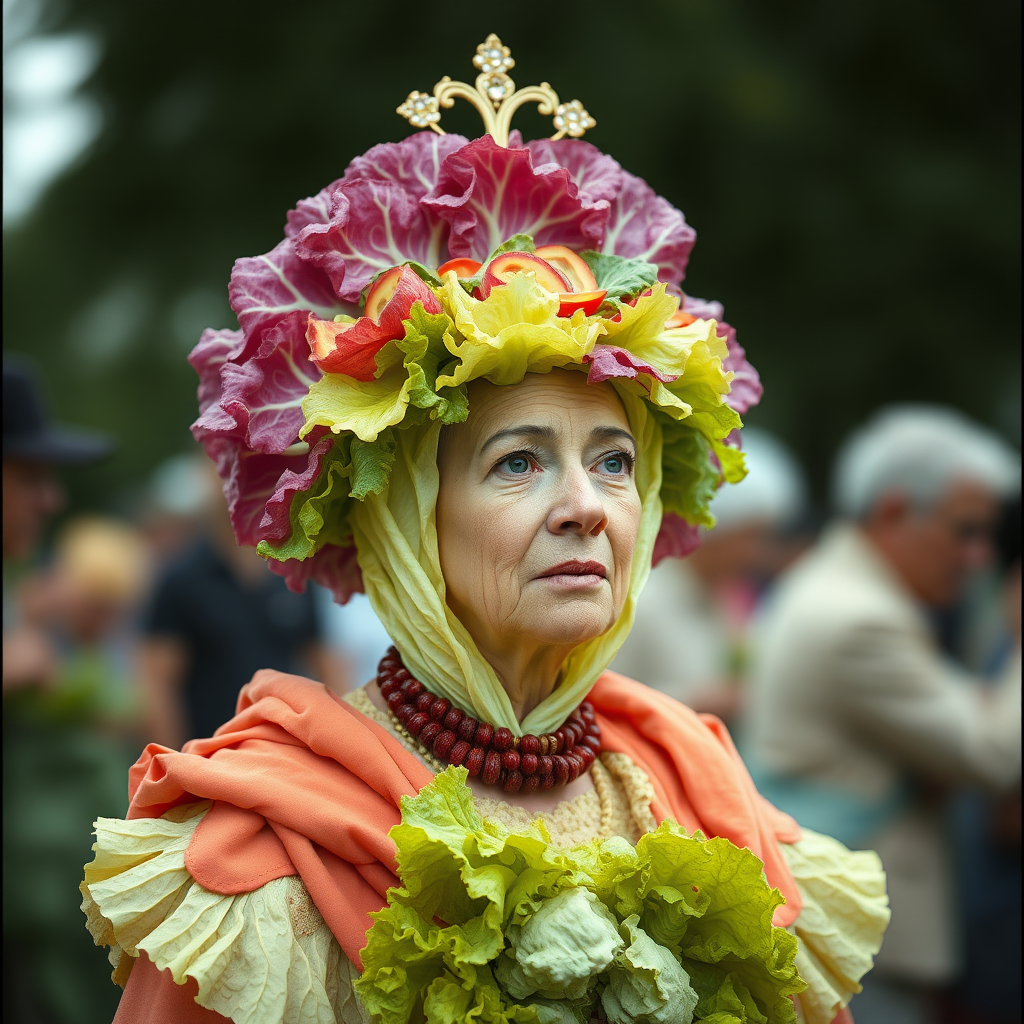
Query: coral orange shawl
[{"x": 303, "y": 784}]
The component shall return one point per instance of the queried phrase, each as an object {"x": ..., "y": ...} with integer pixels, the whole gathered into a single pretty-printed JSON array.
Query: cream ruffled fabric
[
  {"x": 840, "y": 928},
  {"x": 396, "y": 538},
  {"x": 261, "y": 957}
]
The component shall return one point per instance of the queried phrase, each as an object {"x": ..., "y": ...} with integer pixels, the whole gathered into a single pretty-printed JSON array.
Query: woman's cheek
[
  {"x": 627, "y": 528},
  {"x": 500, "y": 548}
]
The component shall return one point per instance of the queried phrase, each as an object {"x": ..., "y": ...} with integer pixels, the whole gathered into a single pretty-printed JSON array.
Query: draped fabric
[{"x": 304, "y": 785}]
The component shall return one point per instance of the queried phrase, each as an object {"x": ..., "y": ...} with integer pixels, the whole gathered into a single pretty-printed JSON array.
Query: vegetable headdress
[{"x": 430, "y": 263}]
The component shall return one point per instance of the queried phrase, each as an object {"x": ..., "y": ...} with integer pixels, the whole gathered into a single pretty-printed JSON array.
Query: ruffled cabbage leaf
[{"x": 490, "y": 925}]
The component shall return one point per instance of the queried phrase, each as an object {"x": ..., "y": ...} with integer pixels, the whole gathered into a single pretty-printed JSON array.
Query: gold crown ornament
[{"x": 496, "y": 98}]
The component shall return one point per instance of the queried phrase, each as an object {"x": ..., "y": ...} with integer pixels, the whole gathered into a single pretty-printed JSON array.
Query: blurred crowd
[
  {"x": 121, "y": 630},
  {"x": 868, "y": 663}
]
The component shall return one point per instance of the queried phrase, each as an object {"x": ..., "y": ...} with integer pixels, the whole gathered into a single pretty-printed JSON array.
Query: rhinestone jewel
[
  {"x": 420, "y": 109},
  {"x": 573, "y": 119},
  {"x": 498, "y": 87},
  {"x": 495, "y": 97},
  {"x": 493, "y": 57}
]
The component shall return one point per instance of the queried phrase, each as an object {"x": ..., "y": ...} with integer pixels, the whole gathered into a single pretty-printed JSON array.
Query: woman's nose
[{"x": 578, "y": 508}]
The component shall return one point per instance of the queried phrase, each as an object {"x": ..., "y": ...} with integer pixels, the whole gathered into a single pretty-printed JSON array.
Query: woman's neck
[{"x": 528, "y": 673}]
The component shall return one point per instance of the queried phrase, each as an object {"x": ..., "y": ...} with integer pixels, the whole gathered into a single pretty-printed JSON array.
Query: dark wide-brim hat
[{"x": 28, "y": 432}]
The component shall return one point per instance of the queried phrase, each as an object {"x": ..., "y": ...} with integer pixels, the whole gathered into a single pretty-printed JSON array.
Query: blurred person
[
  {"x": 32, "y": 448},
  {"x": 174, "y": 507},
  {"x": 689, "y": 638},
  {"x": 857, "y": 724},
  {"x": 217, "y": 615},
  {"x": 67, "y": 745},
  {"x": 87, "y": 599},
  {"x": 987, "y": 828}
]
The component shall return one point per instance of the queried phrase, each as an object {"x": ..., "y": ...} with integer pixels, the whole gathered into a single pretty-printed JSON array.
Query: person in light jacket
[{"x": 857, "y": 725}]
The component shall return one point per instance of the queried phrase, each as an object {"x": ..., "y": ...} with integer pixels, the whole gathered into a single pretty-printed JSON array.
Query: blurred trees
[{"x": 852, "y": 169}]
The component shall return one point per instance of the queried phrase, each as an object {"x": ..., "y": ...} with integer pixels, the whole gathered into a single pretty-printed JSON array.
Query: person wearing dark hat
[
  {"x": 33, "y": 448},
  {"x": 58, "y": 766}
]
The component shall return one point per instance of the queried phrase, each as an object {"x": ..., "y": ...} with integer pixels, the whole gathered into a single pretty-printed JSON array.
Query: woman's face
[{"x": 538, "y": 511}]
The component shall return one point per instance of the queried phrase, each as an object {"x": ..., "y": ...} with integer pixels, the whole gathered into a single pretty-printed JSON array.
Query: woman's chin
[{"x": 573, "y": 619}]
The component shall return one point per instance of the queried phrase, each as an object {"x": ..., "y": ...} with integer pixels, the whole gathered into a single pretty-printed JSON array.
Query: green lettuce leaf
[
  {"x": 425, "y": 350},
  {"x": 404, "y": 953},
  {"x": 694, "y": 356},
  {"x": 720, "y": 992},
  {"x": 562, "y": 947},
  {"x": 494, "y": 926},
  {"x": 319, "y": 515},
  {"x": 407, "y": 371},
  {"x": 514, "y": 331},
  {"x": 365, "y": 408},
  {"x": 424, "y": 273},
  {"x": 460, "y": 869},
  {"x": 371, "y": 464},
  {"x": 689, "y": 479},
  {"x": 563, "y": 1011},
  {"x": 517, "y": 243},
  {"x": 708, "y": 901},
  {"x": 646, "y": 985},
  {"x": 621, "y": 276},
  {"x": 614, "y": 872}
]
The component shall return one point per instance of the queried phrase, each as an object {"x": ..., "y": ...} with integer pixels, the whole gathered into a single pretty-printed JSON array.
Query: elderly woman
[{"x": 461, "y": 385}]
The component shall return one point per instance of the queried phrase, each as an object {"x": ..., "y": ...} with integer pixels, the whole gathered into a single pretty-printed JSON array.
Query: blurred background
[
  {"x": 851, "y": 169},
  {"x": 853, "y": 173}
]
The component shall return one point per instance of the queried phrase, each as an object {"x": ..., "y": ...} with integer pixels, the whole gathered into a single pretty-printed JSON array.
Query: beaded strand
[{"x": 447, "y": 735}]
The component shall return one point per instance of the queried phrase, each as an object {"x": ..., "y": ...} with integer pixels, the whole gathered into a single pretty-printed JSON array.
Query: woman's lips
[{"x": 575, "y": 575}]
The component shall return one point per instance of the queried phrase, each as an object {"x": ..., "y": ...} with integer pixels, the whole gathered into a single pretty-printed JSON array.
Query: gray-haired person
[{"x": 856, "y": 723}]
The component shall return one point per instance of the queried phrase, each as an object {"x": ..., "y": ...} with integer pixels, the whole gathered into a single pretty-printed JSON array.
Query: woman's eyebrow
[
  {"x": 525, "y": 430},
  {"x": 613, "y": 433}
]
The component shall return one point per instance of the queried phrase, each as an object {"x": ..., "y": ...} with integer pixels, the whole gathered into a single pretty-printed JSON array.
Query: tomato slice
[
  {"x": 462, "y": 266},
  {"x": 380, "y": 292},
  {"x": 589, "y": 302},
  {"x": 571, "y": 266},
  {"x": 503, "y": 267}
]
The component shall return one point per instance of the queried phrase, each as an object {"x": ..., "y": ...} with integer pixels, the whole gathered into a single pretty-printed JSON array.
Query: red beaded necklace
[{"x": 520, "y": 765}]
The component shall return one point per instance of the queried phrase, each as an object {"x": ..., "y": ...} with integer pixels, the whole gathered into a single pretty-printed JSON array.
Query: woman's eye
[
  {"x": 517, "y": 464},
  {"x": 616, "y": 465}
]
